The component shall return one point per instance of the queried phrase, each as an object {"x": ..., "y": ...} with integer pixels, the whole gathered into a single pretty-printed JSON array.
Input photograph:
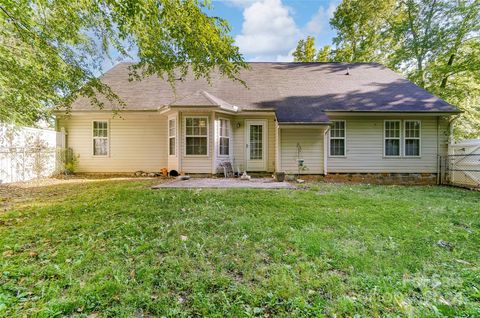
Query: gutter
[
  {"x": 394, "y": 111},
  {"x": 166, "y": 108},
  {"x": 103, "y": 111},
  {"x": 323, "y": 123}
]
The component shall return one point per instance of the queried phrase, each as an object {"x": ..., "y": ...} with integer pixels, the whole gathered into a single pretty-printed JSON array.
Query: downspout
[
  {"x": 325, "y": 151},
  {"x": 278, "y": 166},
  {"x": 180, "y": 141},
  {"x": 215, "y": 142},
  {"x": 438, "y": 153}
]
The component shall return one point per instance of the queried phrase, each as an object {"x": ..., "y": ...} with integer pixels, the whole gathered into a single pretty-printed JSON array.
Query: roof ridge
[
  {"x": 219, "y": 102},
  {"x": 177, "y": 102},
  {"x": 274, "y": 62}
]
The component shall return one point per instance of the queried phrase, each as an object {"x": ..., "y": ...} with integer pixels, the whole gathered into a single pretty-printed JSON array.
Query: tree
[
  {"x": 361, "y": 29},
  {"x": 305, "y": 51},
  {"x": 440, "y": 52},
  {"x": 434, "y": 43},
  {"x": 51, "y": 51},
  {"x": 324, "y": 54}
]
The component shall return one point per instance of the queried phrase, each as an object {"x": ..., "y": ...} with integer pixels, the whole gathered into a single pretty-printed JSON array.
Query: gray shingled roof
[
  {"x": 205, "y": 99},
  {"x": 297, "y": 92}
]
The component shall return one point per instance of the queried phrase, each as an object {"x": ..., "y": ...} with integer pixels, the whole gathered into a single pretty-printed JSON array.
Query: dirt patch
[
  {"x": 213, "y": 183},
  {"x": 44, "y": 182},
  {"x": 22, "y": 192}
]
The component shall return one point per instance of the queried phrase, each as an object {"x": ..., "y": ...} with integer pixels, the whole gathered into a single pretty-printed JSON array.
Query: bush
[{"x": 68, "y": 161}]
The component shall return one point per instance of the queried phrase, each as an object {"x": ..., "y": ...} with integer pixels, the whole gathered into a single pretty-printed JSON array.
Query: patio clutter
[
  {"x": 227, "y": 168},
  {"x": 245, "y": 176},
  {"x": 162, "y": 173},
  {"x": 279, "y": 176},
  {"x": 147, "y": 174}
]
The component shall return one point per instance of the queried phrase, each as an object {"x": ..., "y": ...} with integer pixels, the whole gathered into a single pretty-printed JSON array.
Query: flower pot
[{"x": 280, "y": 176}]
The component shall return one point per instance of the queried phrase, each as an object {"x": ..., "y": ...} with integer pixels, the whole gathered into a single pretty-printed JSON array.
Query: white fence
[
  {"x": 28, "y": 153},
  {"x": 463, "y": 163}
]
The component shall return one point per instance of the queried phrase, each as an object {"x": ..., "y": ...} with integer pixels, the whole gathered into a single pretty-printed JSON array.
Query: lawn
[{"x": 119, "y": 249}]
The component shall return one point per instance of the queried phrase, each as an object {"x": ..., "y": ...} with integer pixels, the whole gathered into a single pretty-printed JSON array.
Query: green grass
[{"x": 119, "y": 249}]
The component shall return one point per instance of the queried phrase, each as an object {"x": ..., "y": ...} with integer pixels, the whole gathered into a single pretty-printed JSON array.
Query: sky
[{"x": 268, "y": 30}]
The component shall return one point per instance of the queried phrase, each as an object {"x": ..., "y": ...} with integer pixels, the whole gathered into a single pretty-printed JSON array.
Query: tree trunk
[{"x": 445, "y": 78}]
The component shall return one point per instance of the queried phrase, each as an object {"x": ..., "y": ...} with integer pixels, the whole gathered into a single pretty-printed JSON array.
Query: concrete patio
[{"x": 225, "y": 183}]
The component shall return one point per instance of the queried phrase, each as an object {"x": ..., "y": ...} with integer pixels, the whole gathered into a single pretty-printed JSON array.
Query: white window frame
[
  {"x": 207, "y": 118},
  {"x": 399, "y": 138},
  {"x": 94, "y": 138},
  {"x": 174, "y": 136},
  {"x": 419, "y": 138},
  {"x": 337, "y": 138},
  {"x": 229, "y": 136}
]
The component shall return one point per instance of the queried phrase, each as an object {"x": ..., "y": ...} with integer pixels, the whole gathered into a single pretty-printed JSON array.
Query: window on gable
[
  {"x": 412, "y": 138},
  {"x": 392, "y": 138},
  {"x": 196, "y": 135},
  {"x": 100, "y": 138},
  {"x": 224, "y": 137},
  {"x": 337, "y": 138},
  {"x": 172, "y": 140}
]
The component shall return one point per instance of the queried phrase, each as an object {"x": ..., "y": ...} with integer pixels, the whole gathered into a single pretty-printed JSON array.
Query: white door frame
[{"x": 261, "y": 164}]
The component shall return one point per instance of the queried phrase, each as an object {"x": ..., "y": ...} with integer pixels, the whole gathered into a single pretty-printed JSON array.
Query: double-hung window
[
  {"x": 337, "y": 139},
  {"x": 196, "y": 136},
  {"x": 100, "y": 138},
  {"x": 224, "y": 137},
  {"x": 398, "y": 142},
  {"x": 172, "y": 134},
  {"x": 412, "y": 138},
  {"x": 392, "y": 138}
]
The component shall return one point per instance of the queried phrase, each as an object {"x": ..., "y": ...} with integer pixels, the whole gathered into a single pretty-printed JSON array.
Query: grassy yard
[{"x": 119, "y": 249}]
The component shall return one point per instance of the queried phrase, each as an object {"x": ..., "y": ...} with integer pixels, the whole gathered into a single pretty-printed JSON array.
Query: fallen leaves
[{"x": 7, "y": 253}]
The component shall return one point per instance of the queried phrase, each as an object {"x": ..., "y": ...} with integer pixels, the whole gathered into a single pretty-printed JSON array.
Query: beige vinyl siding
[
  {"x": 137, "y": 141},
  {"x": 196, "y": 164},
  {"x": 365, "y": 146},
  {"x": 239, "y": 157},
  {"x": 311, "y": 143},
  {"x": 443, "y": 135}
]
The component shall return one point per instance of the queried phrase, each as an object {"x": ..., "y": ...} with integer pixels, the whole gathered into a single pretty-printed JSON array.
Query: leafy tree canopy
[
  {"x": 434, "y": 43},
  {"x": 51, "y": 51},
  {"x": 306, "y": 51}
]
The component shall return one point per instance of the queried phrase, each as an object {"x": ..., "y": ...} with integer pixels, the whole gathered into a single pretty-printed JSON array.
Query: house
[{"x": 329, "y": 118}]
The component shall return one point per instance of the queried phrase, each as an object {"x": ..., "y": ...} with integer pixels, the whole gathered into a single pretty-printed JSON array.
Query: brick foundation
[{"x": 384, "y": 178}]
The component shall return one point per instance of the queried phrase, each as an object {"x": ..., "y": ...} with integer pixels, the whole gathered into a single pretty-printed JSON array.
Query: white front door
[{"x": 256, "y": 145}]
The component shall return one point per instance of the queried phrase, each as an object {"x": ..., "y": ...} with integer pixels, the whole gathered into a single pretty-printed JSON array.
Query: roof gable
[{"x": 196, "y": 99}]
